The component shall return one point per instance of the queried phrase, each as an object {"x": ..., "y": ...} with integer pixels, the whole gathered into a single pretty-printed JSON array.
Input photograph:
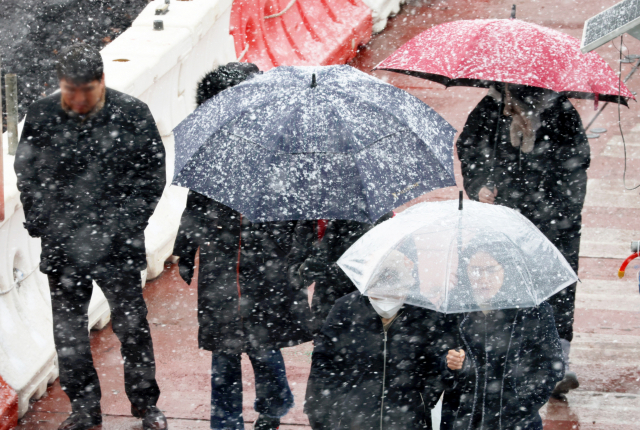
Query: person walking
[
  {"x": 91, "y": 168},
  {"x": 507, "y": 361},
  {"x": 533, "y": 157},
  {"x": 245, "y": 303},
  {"x": 375, "y": 360}
]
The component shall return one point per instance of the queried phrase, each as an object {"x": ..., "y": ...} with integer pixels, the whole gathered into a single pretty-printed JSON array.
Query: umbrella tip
[
  {"x": 313, "y": 81},
  {"x": 460, "y": 202},
  {"x": 513, "y": 11}
]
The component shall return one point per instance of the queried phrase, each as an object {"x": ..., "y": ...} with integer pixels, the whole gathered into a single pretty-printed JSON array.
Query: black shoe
[
  {"x": 568, "y": 383},
  {"x": 152, "y": 418},
  {"x": 82, "y": 421},
  {"x": 266, "y": 423}
]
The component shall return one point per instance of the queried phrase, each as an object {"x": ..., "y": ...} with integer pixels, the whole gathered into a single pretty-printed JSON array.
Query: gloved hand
[
  {"x": 311, "y": 269},
  {"x": 186, "y": 270}
]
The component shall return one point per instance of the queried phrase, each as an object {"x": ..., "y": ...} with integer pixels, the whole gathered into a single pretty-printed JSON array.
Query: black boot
[
  {"x": 82, "y": 421},
  {"x": 266, "y": 423},
  {"x": 152, "y": 418}
]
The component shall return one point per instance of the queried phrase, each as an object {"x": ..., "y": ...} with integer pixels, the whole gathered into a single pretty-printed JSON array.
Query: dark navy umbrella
[{"x": 314, "y": 143}]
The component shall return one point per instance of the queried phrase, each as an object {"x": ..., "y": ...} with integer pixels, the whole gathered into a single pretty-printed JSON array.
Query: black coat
[
  {"x": 89, "y": 186},
  {"x": 345, "y": 386},
  {"x": 513, "y": 362},
  {"x": 244, "y": 299},
  {"x": 547, "y": 185},
  {"x": 321, "y": 266}
]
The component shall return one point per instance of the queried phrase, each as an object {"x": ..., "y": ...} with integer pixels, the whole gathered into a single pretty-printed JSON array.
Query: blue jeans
[{"x": 273, "y": 395}]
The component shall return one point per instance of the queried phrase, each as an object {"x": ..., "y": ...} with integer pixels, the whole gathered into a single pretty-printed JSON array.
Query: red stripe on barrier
[
  {"x": 8, "y": 407},
  {"x": 309, "y": 33}
]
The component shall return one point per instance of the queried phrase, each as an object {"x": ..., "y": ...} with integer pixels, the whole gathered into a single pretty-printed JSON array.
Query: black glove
[{"x": 311, "y": 269}]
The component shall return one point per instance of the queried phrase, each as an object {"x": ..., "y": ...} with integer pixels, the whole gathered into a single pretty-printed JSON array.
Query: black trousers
[
  {"x": 564, "y": 302},
  {"x": 71, "y": 290}
]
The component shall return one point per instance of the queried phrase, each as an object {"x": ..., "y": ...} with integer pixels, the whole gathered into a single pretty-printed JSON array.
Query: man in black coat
[
  {"x": 91, "y": 169},
  {"x": 245, "y": 304},
  {"x": 533, "y": 157}
]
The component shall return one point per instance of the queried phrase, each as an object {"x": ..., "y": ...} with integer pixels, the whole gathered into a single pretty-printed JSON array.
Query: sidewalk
[{"x": 606, "y": 346}]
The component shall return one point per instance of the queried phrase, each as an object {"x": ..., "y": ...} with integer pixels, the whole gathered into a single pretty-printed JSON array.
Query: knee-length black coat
[
  {"x": 244, "y": 298},
  {"x": 513, "y": 362},
  {"x": 353, "y": 366}
]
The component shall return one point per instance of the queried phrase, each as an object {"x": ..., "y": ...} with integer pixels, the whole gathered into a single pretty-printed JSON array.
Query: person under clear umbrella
[
  {"x": 508, "y": 360},
  {"x": 375, "y": 361},
  {"x": 532, "y": 157},
  {"x": 245, "y": 304}
]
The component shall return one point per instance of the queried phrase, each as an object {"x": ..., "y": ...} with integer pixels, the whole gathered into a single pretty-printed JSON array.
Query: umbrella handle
[{"x": 626, "y": 263}]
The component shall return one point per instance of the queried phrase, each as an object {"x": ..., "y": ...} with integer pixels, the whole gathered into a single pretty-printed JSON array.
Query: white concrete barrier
[
  {"x": 162, "y": 69},
  {"x": 381, "y": 10}
]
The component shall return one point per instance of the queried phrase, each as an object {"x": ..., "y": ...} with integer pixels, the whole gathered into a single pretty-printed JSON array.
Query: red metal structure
[
  {"x": 273, "y": 33},
  {"x": 8, "y": 406}
]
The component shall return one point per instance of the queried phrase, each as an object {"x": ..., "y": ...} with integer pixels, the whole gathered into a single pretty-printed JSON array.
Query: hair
[
  {"x": 80, "y": 64},
  {"x": 225, "y": 76}
]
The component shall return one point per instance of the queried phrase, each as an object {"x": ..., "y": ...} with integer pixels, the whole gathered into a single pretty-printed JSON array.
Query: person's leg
[
  {"x": 563, "y": 304},
  {"x": 273, "y": 395},
  {"x": 70, "y": 296},
  {"x": 123, "y": 290},
  {"x": 226, "y": 392}
]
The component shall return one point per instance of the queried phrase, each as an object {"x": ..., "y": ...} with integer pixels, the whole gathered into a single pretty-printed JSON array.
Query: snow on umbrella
[
  {"x": 481, "y": 52},
  {"x": 482, "y": 257},
  {"x": 313, "y": 143}
]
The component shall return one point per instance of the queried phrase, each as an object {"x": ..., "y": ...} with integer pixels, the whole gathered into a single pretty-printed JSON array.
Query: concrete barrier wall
[{"x": 162, "y": 69}]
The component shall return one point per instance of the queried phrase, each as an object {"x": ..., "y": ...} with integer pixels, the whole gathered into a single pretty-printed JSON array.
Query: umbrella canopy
[
  {"x": 482, "y": 257},
  {"x": 481, "y": 52},
  {"x": 314, "y": 143}
]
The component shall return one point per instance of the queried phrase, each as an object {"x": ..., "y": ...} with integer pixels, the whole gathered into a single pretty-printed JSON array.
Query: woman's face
[{"x": 486, "y": 276}]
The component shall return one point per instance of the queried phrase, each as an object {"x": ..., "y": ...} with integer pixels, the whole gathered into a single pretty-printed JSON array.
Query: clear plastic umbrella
[{"x": 482, "y": 257}]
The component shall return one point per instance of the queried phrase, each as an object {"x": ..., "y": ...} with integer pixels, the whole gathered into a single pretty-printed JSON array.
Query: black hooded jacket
[
  {"x": 352, "y": 365},
  {"x": 513, "y": 362},
  {"x": 89, "y": 185},
  {"x": 547, "y": 185}
]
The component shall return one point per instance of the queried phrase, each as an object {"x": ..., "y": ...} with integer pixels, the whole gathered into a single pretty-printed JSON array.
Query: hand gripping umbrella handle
[{"x": 626, "y": 263}]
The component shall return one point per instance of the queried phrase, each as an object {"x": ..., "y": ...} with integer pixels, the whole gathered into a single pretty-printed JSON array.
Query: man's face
[{"x": 81, "y": 98}]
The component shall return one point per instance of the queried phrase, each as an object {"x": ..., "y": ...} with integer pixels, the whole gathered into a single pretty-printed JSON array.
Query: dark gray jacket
[{"x": 89, "y": 186}]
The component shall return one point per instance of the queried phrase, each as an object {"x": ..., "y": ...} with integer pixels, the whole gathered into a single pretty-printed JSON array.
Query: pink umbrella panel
[{"x": 480, "y": 52}]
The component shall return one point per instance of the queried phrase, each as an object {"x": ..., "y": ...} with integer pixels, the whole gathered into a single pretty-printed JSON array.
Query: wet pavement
[{"x": 606, "y": 347}]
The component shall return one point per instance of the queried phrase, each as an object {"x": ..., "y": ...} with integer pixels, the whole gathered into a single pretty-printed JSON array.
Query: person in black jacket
[
  {"x": 91, "y": 169},
  {"x": 312, "y": 261},
  {"x": 375, "y": 364},
  {"x": 508, "y": 361},
  {"x": 533, "y": 157},
  {"x": 245, "y": 304}
]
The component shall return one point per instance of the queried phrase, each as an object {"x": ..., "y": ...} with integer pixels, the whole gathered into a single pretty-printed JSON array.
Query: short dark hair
[{"x": 80, "y": 64}]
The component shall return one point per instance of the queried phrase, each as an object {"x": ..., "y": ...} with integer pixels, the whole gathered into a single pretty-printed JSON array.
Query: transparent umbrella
[{"x": 481, "y": 257}]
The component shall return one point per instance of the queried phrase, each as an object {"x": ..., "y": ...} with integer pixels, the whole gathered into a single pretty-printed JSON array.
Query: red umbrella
[{"x": 480, "y": 52}]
